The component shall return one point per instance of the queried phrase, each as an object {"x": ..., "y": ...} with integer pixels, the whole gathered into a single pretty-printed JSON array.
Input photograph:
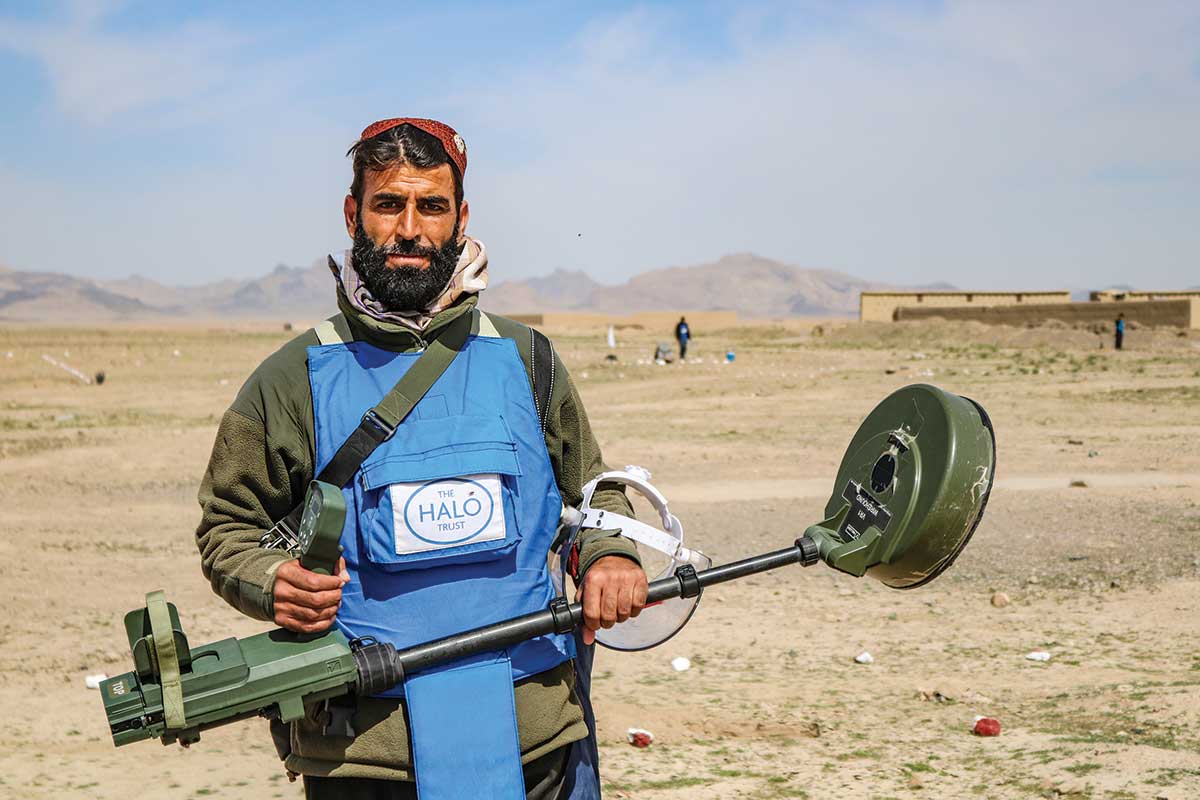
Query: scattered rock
[
  {"x": 1000, "y": 600},
  {"x": 93, "y": 681},
  {"x": 1078, "y": 484},
  {"x": 935, "y": 696},
  {"x": 864, "y": 658},
  {"x": 1075, "y": 441},
  {"x": 681, "y": 664},
  {"x": 1093, "y": 453},
  {"x": 1038, "y": 655}
]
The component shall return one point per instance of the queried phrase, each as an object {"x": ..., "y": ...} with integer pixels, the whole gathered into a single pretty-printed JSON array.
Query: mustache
[{"x": 407, "y": 247}]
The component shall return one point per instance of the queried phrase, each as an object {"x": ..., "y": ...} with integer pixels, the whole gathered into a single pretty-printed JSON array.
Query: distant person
[
  {"x": 1119, "y": 335},
  {"x": 682, "y": 334}
]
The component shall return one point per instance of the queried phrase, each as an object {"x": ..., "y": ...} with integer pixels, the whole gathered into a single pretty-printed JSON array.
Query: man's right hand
[{"x": 306, "y": 602}]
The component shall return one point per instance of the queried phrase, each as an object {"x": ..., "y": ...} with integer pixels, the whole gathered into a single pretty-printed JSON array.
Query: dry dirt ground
[{"x": 97, "y": 506}]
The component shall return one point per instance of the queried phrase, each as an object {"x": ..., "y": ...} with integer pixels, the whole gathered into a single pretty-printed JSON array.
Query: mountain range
[{"x": 749, "y": 284}]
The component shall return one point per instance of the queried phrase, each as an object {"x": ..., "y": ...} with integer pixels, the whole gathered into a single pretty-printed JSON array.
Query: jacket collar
[{"x": 401, "y": 338}]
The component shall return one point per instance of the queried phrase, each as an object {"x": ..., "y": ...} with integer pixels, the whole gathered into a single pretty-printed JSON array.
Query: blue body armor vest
[{"x": 449, "y": 525}]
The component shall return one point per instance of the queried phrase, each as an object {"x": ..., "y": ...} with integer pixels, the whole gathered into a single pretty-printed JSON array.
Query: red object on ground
[
  {"x": 640, "y": 739},
  {"x": 986, "y": 726}
]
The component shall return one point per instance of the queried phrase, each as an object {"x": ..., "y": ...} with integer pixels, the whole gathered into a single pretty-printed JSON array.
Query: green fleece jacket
[{"x": 261, "y": 465}]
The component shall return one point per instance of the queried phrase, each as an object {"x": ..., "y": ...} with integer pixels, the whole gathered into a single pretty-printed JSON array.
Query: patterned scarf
[{"x": 470, "y": 277}]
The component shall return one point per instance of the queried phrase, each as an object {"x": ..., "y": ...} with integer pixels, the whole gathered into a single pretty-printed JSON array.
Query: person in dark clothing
[
  {"x": 682, "y": 335},
  {"x": 1119, "y": 335}
]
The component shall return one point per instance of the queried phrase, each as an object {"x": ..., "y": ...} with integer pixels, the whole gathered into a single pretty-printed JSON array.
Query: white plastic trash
[
  {"x": 1038, "y": 655},
  {"x": 865, "y": 658},
  {"x": 681, "y": 664},
  {"x": 93, "y": 681}
]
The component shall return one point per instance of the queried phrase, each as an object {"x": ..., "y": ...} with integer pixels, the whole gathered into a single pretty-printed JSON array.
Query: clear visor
[{"x": 661, "y": 550}]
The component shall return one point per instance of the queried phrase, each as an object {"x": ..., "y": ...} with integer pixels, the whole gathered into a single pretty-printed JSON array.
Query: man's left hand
[{"x": 614, "y": 589}]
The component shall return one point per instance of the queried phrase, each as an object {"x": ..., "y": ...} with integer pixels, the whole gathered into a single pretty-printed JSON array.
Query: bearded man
[{"x": 508, "y": 724}]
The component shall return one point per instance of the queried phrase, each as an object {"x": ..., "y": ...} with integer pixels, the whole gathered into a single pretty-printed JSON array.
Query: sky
[{"x": 988, "y": 144}]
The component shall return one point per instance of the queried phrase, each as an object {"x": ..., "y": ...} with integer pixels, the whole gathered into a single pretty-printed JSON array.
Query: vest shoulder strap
[
  {"x": 381, "y": 421},
  {"x": 334, "y": 330}
]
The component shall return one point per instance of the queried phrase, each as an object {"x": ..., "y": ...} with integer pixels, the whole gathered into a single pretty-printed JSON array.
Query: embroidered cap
[{"x": 454, "y": 145}]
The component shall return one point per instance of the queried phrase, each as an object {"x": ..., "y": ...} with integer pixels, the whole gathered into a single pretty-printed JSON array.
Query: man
[
  {"x": 411, "y": 276},
  {"x": 1119, "y": 332},
  {"x": 682, "y": 334}
]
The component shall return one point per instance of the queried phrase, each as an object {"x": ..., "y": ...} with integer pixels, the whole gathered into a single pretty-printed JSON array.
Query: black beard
[{"x": 404, "y": 288}]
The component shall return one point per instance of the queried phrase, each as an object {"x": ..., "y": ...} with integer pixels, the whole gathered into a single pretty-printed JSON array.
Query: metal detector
[{"x": 910, "y": 492}]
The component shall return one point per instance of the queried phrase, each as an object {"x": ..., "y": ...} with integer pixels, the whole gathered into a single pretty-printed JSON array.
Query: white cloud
[
  {"x": 965, "y": 146},
  {"x": 98, "y": 76}
]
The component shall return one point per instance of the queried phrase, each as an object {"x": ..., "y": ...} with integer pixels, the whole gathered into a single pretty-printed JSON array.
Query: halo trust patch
[{"x": 448, "y": 512}]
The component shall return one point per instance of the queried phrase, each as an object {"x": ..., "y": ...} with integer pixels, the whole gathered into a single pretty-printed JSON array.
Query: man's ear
[
  {"x": 350, "y": 210},
  {"x": 464, "y": 214}
]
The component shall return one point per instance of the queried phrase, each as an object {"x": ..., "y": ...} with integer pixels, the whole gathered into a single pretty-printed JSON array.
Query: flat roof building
[{"x": 882, "y": 306}]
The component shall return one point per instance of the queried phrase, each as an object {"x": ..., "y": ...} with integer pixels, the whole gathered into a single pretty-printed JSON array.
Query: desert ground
[{"x": 1092, "y": 532}]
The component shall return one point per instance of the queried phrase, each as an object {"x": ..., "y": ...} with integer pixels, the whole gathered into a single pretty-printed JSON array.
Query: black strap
[
  {"x": 541, "y": 373},
  {"x": 381, "y": 421}
]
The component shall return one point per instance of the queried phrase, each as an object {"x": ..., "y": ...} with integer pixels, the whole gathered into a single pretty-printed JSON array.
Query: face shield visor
[{"x": 658, "y": 622}]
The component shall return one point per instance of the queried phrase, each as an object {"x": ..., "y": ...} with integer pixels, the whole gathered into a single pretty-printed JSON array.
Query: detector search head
[{"x": 911, "y": 489}]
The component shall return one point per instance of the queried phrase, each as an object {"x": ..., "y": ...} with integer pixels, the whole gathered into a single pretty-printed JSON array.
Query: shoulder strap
[
  {"x": 334, "y": 330},
  {"x": 484, "y": 326},
  {"x": 541, "y": 373},
  {"x": 381, "y": 421}
]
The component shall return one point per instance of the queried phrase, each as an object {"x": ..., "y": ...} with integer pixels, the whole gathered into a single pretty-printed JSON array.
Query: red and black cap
[{"x": 454, "y": 145}]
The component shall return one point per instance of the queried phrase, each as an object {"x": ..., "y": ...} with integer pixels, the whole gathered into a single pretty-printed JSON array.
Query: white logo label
[{"x": 432, "y": 515}]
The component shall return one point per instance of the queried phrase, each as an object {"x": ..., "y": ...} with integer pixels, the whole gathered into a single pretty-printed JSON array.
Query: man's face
[
  {"x": 407, "y": 234},
  {"x": 407, "y": 204}
]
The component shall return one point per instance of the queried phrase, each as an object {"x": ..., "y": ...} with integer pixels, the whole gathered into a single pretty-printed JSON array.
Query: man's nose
[{"x": 409, "y": 227}]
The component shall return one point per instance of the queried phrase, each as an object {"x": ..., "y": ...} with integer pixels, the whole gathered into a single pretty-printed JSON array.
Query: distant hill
[
  {"x": 751, "y": 285},
  {"x": 36, "y": 296},
  {"x": 746, "y": 283}
]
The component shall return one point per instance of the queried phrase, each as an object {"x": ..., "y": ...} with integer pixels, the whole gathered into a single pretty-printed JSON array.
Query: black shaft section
[{"x": 541, "y": 623}]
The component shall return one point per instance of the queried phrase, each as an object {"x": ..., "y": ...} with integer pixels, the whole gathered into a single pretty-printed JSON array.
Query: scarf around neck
[{"x": 470, "y": 277}]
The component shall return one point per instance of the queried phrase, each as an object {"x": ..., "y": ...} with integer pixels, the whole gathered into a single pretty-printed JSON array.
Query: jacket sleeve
[
  {"x": 260, "y": 467},
  {"x": 575, "y": 456}
]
